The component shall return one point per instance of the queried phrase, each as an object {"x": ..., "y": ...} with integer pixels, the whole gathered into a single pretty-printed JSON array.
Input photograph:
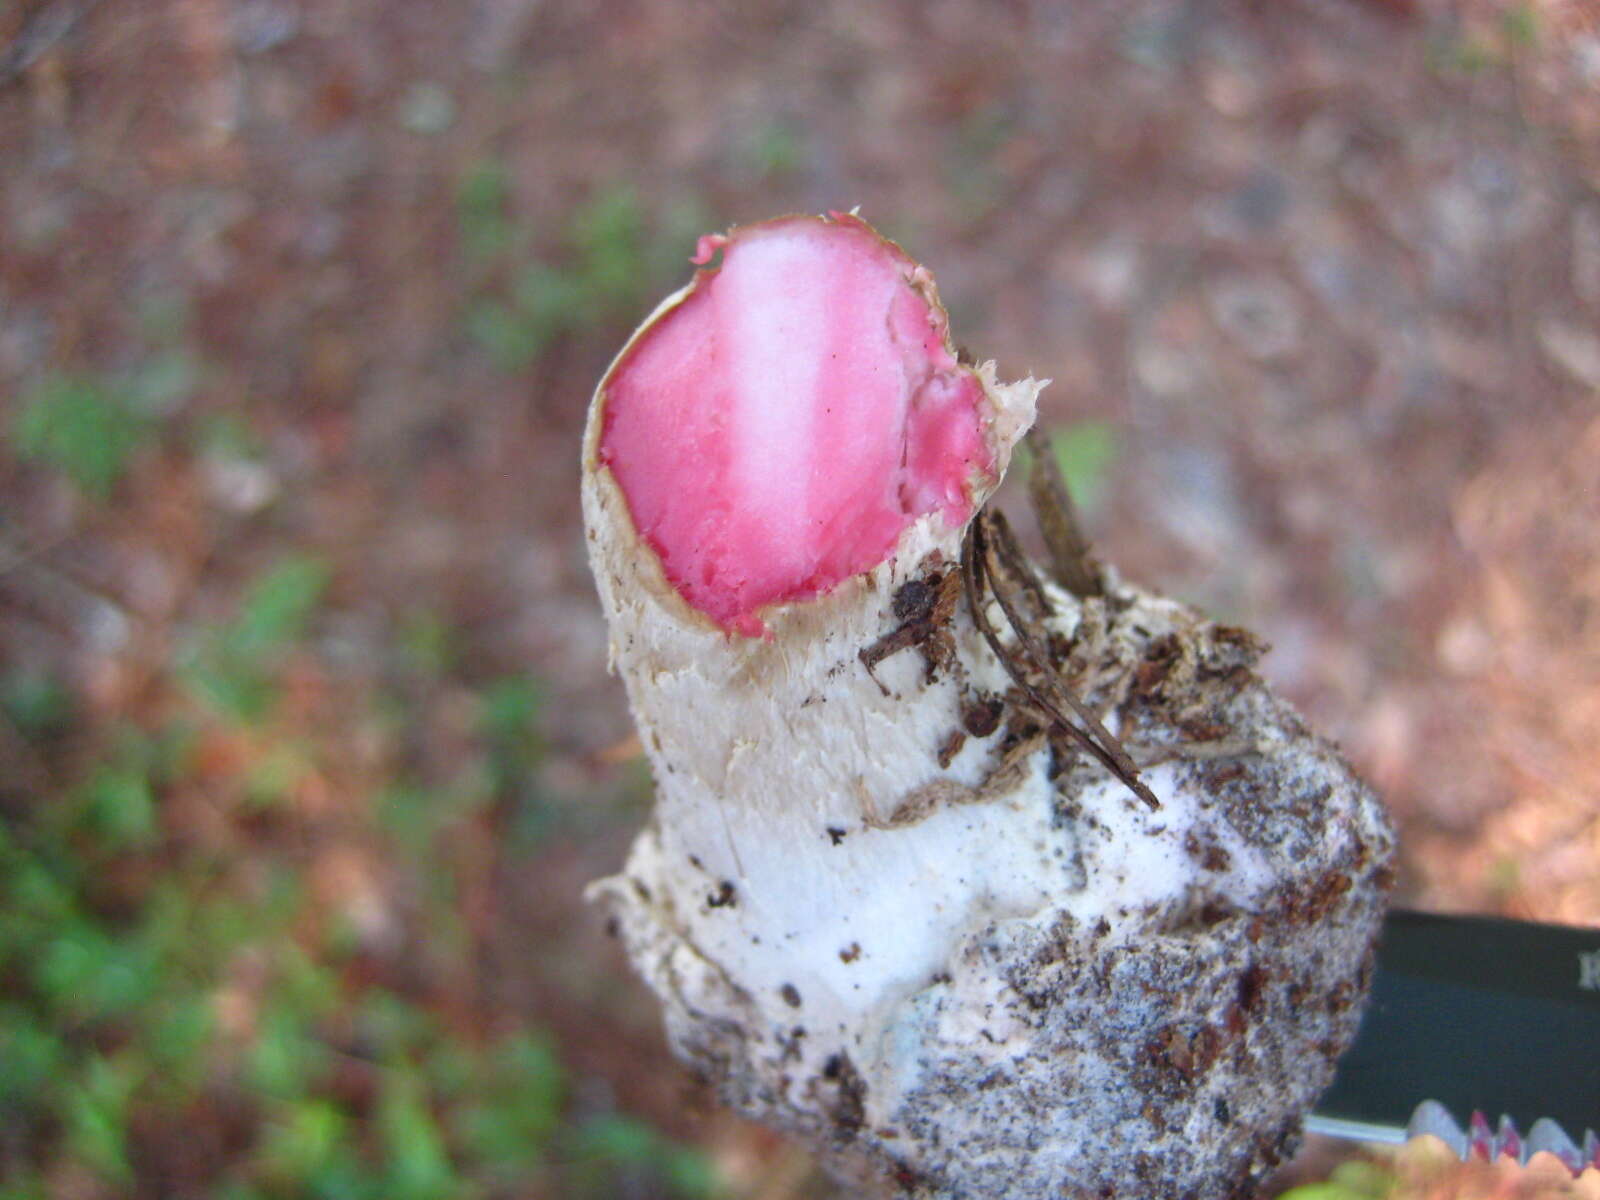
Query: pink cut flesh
[{"x": 776, "y": 431}]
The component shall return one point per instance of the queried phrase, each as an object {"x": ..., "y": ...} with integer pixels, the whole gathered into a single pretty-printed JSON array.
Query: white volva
[{"x": 883, "y": 911}]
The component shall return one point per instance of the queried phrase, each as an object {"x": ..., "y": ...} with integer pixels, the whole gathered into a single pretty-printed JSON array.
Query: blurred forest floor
[{"x": 308, "y": 747}]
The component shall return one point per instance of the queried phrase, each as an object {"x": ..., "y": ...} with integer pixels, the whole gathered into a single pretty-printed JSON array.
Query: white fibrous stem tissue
[{"x": 886, "y": 904}]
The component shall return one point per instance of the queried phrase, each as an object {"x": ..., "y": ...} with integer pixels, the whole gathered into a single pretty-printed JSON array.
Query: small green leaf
[
  {"x": 271, "y": 779},
  {"x": 301, "y": 1146},
  {"x": 509, "y": 1124},
  {"x": 237, "y": 689},
  {"x": 279, "y": 603},
  {"x": 608, "y": 232},
  {"x": 410, "y": 814},
  {"x": 1463, "y": 53},
  {"x": 509, "y": 720},
  {"x": 1085, "y": 451},
  {"x": 287, "y": 1060},
  {"x": 82, "y": 427},
  {"x": 120, "y": 805},
  {"x": 96, "y": 1118},
  {"x": 418, "y": 1167},
  {"x": 393, "y": 1026},
  {"x": 88, "y": 975},
  {"x": 35, "y": 703},
  {"x": 508, "y": 710},
  {"x": 234, "y": 667},
  {"x": 618, "y": 1139},
  {"x": 31, "y": 1058},
  {"x": 690, "y": 1173},
  {"x": 33, "y": 889},
  {"x": 306, "y": 983},
  {"x": 1521, "y": 24},
  {"x": 177, "y": 1034},
  {"x": 18, "y": 1182},
  {"x": 481, "y": 202}
]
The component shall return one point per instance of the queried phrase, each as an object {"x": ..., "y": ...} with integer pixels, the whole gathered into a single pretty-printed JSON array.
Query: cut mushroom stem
[{"x": 904, "y": 892}]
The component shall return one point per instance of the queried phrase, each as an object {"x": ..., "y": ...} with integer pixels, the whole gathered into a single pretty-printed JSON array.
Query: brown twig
[
  {"x": 1014, "y": 561},
  {"x": 1070, "y": 561},
  {"x": 1092, "y": 736}
]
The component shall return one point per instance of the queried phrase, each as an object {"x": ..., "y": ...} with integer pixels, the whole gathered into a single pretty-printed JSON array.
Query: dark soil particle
[
  {"x": 1159, "y": 660},
  {"x": 951, "y": 747},
  {"x": 982, "y": 717},
  {"x": 916, "y": 597},
  {"x": 924, "y": 608},
  {"x": 1252, "y": 986},
  {"x": 849, "y": 1106},
  {"x": 1207, "y": 852},
  {"x": 1314, "y": 904},
  {"x": 907, "y": 1179}
]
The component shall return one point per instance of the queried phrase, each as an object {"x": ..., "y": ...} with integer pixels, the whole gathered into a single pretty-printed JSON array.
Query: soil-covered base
[{"x": 1152, "y": 1019}]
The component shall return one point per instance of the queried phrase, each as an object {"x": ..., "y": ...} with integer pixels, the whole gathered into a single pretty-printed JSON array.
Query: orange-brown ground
[{"x": 1318, "y": 284}]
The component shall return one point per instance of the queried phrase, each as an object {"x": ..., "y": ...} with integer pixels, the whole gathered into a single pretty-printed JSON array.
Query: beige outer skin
[{"x": 976, "y": 980}]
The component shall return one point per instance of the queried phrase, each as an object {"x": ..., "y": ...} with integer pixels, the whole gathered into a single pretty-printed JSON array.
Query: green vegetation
[
  {"x": 234, "y": 667},
  {"x": 1085, "y": 451},
  {"x": 1464, "y": 54},
  {"x": 171, "y": 976},
  {"x": 35, "y": 703},
  {"x": 427, "y": 644},
  {"x": 483, "y": 222},
  {"x": 90, "y": 425},
  {"x": 1473, "y": 51},
  {"x": 1354, "y": 1180},
  {"x": 613, "y": 256},
  {"x": 1519, "y": 24},
  {"x": 84, "y": 427}
]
